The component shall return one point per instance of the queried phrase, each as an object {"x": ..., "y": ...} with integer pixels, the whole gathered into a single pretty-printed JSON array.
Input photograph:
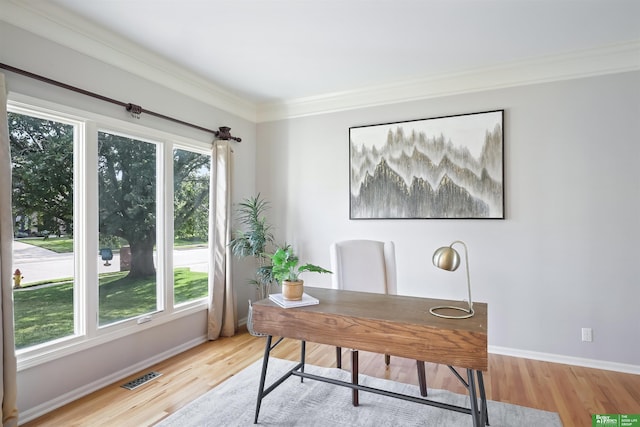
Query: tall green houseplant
[{"x": 254, "y": 240}]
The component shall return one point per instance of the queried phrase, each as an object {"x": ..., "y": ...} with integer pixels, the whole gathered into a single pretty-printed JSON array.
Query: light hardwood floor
[{"x": 574, "y": 392}]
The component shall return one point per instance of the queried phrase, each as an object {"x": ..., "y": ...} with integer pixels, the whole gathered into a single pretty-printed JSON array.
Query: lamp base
[{"x": 469, "y": 312}]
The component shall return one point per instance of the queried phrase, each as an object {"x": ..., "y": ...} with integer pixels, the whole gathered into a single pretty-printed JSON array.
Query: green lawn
[
  {"x": 53, "y": 243},
  {"x": 46, "y": 313}
]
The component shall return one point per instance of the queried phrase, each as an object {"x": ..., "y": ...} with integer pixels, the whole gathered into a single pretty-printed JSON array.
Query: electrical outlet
[{"x": 587, "y": 335}]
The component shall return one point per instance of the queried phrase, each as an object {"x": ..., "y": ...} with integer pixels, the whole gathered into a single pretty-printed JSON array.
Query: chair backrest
[{"x": 364, "y": 265}]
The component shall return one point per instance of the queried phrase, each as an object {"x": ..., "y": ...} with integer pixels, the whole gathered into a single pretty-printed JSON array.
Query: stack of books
[{"x": 306, "y": 300}]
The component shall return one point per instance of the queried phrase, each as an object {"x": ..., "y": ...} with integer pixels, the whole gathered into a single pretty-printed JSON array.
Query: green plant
[
  {"x": 255, "y": 240},
  {"x": 285, "y": 265}
]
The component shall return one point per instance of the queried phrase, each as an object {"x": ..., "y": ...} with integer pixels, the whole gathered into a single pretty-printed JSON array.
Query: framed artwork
[{"x": 446, "y": 167}]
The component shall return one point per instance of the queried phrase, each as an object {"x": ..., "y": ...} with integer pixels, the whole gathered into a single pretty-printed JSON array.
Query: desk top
[{"x": 389, "y": 324}]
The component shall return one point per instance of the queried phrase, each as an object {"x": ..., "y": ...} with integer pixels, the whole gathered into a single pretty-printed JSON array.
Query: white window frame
[{"x": 87, "y": 332}]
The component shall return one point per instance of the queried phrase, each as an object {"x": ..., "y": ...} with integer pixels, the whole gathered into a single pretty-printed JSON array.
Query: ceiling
[{"x": 270, "y": 51}]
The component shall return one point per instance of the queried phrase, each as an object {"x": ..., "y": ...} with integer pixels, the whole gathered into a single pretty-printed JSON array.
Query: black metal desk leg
[
  {"x": 484, "y": 414},
  {"x": 354, "y": 377},
  {"x": 473, "y": 398},
  {"x": 263, "y": 375},
  {"x": 303, "y": 345},
  {"x": 422, "y": 378}
]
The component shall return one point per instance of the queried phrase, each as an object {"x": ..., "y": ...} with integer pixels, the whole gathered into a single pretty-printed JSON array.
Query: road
[{"x": 37, "y": 264}]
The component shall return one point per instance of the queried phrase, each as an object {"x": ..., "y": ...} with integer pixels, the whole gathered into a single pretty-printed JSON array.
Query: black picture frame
[{"x": 449, "y": 167}]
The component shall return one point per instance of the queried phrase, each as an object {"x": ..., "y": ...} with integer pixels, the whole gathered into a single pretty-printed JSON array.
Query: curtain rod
[{"x": 135, "y": 110}]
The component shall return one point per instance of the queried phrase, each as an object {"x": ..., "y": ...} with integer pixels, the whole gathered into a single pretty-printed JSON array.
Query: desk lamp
[{"x": 448, "y": 259}]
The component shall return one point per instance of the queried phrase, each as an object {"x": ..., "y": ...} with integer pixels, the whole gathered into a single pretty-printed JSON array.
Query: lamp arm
[{"x": 466, "y": 259}]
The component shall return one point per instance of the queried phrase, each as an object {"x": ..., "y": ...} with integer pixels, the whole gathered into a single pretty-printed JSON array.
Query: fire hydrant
[{"x": 17, "y": 278}]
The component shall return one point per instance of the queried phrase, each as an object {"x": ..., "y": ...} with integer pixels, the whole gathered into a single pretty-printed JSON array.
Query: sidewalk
[{"x": 37, "y": 264}]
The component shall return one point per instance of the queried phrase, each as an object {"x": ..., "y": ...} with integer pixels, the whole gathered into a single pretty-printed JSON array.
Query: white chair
[{"x": 366, "y": 266}]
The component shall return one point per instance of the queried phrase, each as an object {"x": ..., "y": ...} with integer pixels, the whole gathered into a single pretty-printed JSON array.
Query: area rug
[{"x": 315, "y": 403}]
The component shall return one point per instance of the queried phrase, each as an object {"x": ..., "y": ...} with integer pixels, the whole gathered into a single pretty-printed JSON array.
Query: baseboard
[
  {"x": 567, "y": 360},
  {"x": 46, "y": 407}
]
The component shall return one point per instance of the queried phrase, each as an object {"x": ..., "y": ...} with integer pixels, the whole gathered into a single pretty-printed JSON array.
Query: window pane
[
  {"x": 191, "y": 225},
  {"x": 127, "y": 228},
  {"x": 43, "y": 253}
]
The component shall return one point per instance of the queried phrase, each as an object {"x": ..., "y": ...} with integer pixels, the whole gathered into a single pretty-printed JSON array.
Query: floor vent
[{"x": 133, "y": 384}]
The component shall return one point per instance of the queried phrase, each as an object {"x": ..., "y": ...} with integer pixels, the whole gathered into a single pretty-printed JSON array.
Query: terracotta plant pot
[{"x": 292, "y": 291}]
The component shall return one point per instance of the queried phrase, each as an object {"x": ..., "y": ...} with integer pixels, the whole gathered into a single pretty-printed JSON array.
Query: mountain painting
[{"x": 445, "y": 167}]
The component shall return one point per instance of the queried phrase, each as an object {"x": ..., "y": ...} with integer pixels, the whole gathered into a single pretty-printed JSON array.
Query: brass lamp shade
[{"x": 447, "y": 258}]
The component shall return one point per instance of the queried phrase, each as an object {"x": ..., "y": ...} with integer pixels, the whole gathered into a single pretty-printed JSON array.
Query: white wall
[
  {"x": 55, "y": 382},
  {"x": 564, "y": 258}
]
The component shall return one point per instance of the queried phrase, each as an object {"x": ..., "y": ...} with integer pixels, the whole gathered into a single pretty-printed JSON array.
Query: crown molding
[
  {"x": 54, "y": 23},
  {"x": 610, "y": 59},
  {"x": 63, "y": 27}
]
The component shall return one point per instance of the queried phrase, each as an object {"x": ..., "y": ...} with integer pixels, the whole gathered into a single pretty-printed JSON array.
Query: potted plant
[
  {"x": 285, "y": 269},
  {"x": 254, "y": 241}
]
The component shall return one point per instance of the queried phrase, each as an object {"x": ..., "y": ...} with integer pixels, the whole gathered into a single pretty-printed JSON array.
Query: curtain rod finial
[
  {"x": 224, "y": 134},
  {"x": 134, "y": 109}
]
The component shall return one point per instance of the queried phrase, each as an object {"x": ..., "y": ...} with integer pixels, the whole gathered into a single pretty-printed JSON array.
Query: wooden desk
[{"x": 387, "y": 324}]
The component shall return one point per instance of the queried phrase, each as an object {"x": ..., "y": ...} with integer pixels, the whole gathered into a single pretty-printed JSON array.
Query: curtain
[
  {"x": 7, "y": 343},
  {"x": 222, "y": 316}
]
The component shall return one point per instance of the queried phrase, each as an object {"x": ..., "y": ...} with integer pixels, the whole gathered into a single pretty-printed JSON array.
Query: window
[
  {"x": 127, "y": 223},
  {"x": 191, "y": 174},
  {"x": 43, "y": 176},
  {"x": 102, "y": 242}
]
